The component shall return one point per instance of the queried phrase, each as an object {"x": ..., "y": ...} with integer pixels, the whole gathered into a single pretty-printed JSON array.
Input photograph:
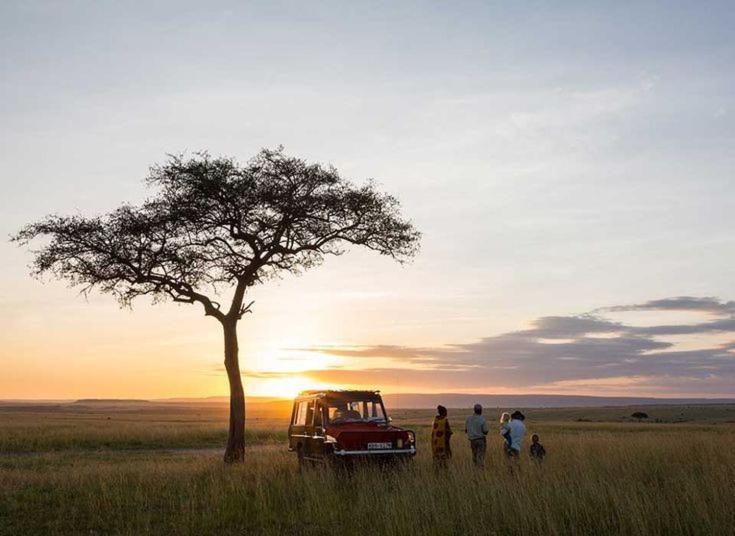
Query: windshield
[{"x": 341, "y": 411}]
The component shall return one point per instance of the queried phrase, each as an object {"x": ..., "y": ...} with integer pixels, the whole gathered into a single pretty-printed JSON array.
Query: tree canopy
[{"x": 213, "y": 222}]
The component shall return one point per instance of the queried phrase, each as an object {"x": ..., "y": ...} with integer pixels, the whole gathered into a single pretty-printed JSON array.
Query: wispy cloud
[{"x": 681, "y": 303}]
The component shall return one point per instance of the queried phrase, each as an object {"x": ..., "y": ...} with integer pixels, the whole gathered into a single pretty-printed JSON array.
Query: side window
[
  {"x": 309, "y": 412},
  {"x": 318, "y": 415},
  {"x": 300, "y": 416}
]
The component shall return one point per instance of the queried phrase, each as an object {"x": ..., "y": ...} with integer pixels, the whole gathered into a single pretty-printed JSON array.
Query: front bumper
[{"x": 406, "y": 452}]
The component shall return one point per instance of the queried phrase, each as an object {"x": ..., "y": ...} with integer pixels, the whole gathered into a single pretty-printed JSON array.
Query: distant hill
[
  {"x": 105, "y": 401},
  {"x": 461, "y": 400},
  {"x": 219, "y": 400},
  {"x": 396, "y": 401}
]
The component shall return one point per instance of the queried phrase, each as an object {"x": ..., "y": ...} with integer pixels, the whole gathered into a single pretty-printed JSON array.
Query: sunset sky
[{"x": 570, "y": 167}]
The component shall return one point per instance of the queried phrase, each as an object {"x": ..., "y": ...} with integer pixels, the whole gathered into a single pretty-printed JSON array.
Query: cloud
[
  {"x": 725, "y": 326},
  {"x": 563, "y": 327},
  {"x": 563, "y": 352},
  {"x": 680, "y": 303},
  {"x": 383, "y": 350}
]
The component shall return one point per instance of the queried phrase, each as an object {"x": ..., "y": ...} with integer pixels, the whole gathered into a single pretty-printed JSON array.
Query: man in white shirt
[{"x": 517, "y": 433}]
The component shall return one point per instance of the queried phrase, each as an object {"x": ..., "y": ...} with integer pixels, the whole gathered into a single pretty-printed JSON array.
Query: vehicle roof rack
[{"x": 312, "y": 392}]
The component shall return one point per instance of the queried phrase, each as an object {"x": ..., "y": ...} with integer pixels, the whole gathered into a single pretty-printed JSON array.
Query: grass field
[{"x": 156, "y": 469}]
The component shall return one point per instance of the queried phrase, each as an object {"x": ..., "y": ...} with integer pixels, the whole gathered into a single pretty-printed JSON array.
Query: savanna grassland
[{"x": 157, "y": 469}]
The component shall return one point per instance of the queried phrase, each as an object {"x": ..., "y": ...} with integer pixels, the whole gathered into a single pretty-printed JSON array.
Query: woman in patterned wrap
[{"x": 441, "y": 432}]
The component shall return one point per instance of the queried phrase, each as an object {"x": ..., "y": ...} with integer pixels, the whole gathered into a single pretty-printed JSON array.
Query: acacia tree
[{"x": 214, "y": 227}]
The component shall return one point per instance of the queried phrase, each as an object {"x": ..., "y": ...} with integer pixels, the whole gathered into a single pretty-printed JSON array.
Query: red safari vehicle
[{"x": 329, "y": 426}]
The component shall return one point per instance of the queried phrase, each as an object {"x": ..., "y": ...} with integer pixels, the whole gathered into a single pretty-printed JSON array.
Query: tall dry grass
[{"x": 598, "y": 479}]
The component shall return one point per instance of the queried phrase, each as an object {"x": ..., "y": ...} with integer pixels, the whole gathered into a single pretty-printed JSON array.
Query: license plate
[{"x": 376, "y": 446}]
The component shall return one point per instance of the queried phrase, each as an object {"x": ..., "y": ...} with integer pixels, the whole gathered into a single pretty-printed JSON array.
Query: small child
[
  {"x": 505, "y": 429},
  {"x": 538, "y": 452}
]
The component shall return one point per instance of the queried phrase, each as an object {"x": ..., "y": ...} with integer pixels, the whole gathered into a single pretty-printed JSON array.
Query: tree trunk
[{"x": 235, "y": 451}]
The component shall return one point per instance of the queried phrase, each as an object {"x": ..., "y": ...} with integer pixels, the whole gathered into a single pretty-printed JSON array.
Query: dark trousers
[{"x": 478, "y": 446}]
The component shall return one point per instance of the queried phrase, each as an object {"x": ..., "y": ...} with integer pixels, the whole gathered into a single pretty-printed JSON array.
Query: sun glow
[
  {"x": 283, "y": 387},
  {"x": 284, "y": 370}
]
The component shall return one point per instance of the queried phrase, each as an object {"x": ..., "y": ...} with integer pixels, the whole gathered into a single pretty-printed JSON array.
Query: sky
[{"x": 569, "y": 164}]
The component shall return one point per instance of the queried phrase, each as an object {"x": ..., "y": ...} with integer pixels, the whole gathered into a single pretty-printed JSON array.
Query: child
[
  {"x": 537, "y": 449},
  {"x": 505, "y": 429}
]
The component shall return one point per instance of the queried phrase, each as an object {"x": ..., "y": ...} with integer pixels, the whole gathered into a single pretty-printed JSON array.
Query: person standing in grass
[
  {"x": 441, "y": 433},
  {"x": 538, "y": 452},
  {"x": 476, "y": 428},
  {"x": 517, "y": 432},
  {"x": 505, "y": 429}
]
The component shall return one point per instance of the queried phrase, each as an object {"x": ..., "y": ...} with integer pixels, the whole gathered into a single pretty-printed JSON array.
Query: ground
[{"x": 156, "y": 469}]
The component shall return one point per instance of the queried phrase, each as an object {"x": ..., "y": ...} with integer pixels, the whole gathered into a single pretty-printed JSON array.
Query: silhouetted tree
[
  {"x": 216, "y": 226},
  {"x": 639, "y": 415}
]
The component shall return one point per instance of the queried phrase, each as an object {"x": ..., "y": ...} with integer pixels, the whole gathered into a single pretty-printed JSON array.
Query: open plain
[{"x": 140, "y": 468}]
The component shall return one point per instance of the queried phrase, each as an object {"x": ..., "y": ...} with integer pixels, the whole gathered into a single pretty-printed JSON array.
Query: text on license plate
[{"x": 373, "y": 446}]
